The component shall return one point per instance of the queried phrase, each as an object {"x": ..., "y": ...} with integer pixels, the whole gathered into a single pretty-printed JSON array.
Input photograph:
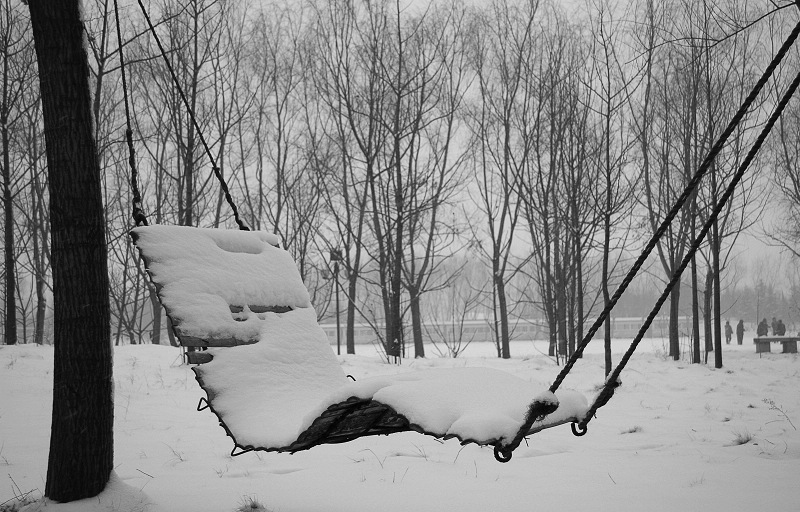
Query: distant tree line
[{"x": 496, "y": 160}]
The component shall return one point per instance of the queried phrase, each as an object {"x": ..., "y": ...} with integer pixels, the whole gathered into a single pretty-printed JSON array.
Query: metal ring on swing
[
  {"x": 502, "y": 454},
  {"x": 579, "y": 429}
]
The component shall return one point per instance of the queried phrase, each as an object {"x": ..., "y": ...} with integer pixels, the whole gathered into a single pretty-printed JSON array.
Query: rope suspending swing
[
  {"x": 537, "y": 411},
  {"x": 138, "y": 214},
  {"x": 614, "y": 375},
  {"x": 139, "y": 218}
]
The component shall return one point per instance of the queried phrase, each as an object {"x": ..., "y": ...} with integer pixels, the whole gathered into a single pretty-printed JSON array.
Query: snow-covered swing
[
  {"x": 272, "y": 377},
  {"x": 273, "y": 380}
]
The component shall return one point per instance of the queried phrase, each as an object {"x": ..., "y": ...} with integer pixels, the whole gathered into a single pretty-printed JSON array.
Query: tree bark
[{"x": 81, "y": 442}]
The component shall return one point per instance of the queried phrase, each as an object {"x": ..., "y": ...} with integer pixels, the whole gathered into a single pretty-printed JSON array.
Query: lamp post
[{"x": 336, "y": 257}]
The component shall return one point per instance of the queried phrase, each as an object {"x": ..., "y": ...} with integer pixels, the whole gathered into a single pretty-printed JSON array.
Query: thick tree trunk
[{"x": 81, "y": 441}]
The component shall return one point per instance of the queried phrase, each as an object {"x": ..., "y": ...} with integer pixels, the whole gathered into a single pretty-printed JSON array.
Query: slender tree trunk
[
  {"x": 81, "y": 439},
  {"x": 578, "y": 320},
  {"x": 416, "y": 322},
  {"x": 10, "y": 330},
  {"x": 41, "y": 309},
  {"x": 604, "y": 284},
  {"x": 155, "y": 307},
  {"x": 717, "y": 293},
  {"x": 502, "y": 305},
  {"x": 561, "y": 296},
  {"x": 709, "y": 341},
  {"x": 350, "y": 331},
  {"x": 38, "y": 233},
  {"x": 674, "y": 323},
  {"x": 695, "y": 291},
  {"x": 695, "y": 316},
  {"x": 496, "y": 324}
]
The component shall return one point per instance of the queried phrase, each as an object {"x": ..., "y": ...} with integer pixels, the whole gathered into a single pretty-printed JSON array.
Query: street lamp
[{"x": 336, "y": 257}]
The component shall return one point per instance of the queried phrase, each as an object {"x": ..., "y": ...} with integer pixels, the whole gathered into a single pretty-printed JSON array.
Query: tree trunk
[
  {"x": 561, "y": 300},
  {"x": 717, "y": 294},
  {"x": 695, "y": 291},
  {"x": 350, "y": 331},
  {"x": 505, "y": 350},
  {"x": 416, "y": 322},
  {"x": 674, "y": 326},
  {"x": 155, "y": 307},
  {"x": 709, "y": 342},
  {"x": 10, "y": 330},
  {"x": 39, "y": 232},
  {"x": 695, "y": 312},
  {"x": 81, "y": 440}
]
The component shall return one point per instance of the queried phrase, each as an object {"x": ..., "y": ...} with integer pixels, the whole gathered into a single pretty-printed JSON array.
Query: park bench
[{"x": 789, "y": 343}]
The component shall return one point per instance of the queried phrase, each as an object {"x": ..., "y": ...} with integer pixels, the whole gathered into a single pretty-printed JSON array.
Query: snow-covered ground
[{"x": 676, "y": 437}]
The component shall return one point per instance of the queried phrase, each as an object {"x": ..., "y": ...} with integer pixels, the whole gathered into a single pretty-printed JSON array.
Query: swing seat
[{"x": 270, "y": 374}]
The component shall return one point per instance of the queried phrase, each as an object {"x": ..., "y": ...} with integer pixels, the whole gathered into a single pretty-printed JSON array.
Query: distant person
[
  {"x": 740, "y": 331},
  {"x": 774, "y": 326},
  {"x": 780, "y": 329},
  {"x": 728, "y": 332},
  {"x": 763, "y": 328}
]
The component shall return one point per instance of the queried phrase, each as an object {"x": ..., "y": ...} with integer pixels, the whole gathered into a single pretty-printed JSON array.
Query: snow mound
[{"x": 117, "y": 495}]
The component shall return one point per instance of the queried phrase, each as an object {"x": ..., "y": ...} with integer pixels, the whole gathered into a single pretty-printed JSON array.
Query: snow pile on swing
[{"x": 268, "y": 392}]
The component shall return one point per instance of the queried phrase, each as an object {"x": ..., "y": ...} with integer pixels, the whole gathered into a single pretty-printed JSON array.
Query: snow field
[{"x": 676, "y": 437}]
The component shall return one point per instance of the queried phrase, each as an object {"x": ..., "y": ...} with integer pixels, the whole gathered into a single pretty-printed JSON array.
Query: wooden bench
[{"x": 789, "y": 343}]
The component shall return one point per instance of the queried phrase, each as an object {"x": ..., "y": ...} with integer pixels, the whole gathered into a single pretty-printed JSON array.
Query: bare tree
[
  {"x": 352, "y": 90},
  {"x": 81, "y": 448},
  {"x": 502, "y": 129},
  {"x": 16, "y": 59},
  {"x": 434, "y": 162},
  {"x": 784, "y": 231},
  {"x": 611, "y": 85},
  {"x": 453, "y": 306},
  {"x": 559, "y": 186}
]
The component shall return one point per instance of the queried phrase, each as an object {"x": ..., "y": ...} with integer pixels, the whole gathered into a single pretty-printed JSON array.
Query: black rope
[
  {"x": 538, "y": 409},
  {"x": 175, "y": 81},
  {"x": 613, "y": 377},
  {"x": 137, "y": 212},
  {"x": 690, "y": 187}
]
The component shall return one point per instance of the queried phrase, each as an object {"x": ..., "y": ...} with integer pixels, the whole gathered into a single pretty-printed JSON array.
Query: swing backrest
[{"x": 217, "y": 285}]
